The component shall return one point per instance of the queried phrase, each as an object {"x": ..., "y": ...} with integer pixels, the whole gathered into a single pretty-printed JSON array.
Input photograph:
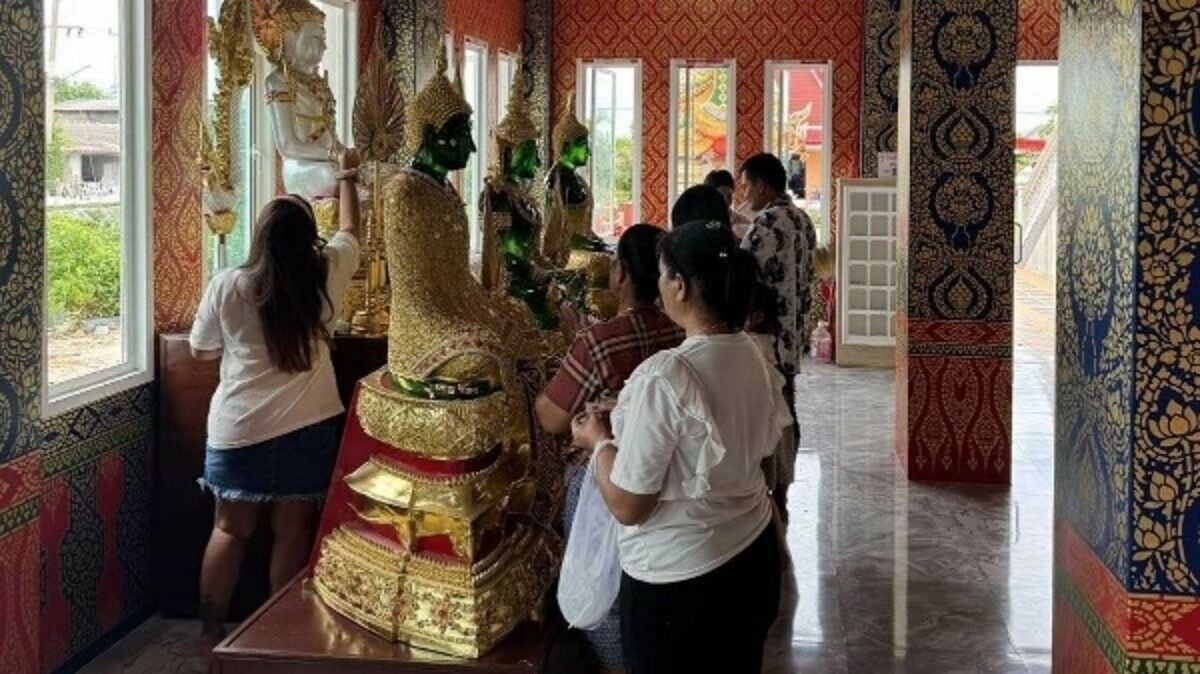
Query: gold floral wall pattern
[
  {"x": 177, "y": 36},
  {"x": 1166, "y": 494},
  {"x": 881, "y": 61},
  {"x": 1097, "y": 209},
  {"x": 955, "y": 136}
]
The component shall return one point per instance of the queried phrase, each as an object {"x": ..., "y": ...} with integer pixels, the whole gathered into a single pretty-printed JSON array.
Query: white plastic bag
[{"x": 590, "y": 577}]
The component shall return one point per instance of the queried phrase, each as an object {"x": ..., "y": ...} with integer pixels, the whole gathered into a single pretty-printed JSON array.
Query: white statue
[{"x": 303, "y": 110}]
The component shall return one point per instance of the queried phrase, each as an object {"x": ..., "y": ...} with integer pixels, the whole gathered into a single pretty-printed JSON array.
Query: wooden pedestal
[
  {"x": 294, "y": 633},
  {"x": 183, "y": 514}
]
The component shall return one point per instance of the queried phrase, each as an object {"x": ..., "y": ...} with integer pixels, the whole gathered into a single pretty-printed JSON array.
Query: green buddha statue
[
  {"x": 512, "y": 263},
  {"x": 447, "y": 336},
  {"x": 569, "y": 241},
  {"x": 568, "y": 197}
]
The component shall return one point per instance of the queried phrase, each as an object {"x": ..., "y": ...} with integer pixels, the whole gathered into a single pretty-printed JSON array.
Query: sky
[
  {"x": 1037, "y": 90},
  {"x": 90, "y": 54}
]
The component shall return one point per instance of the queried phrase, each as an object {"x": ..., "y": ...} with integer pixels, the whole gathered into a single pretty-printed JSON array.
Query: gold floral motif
[
  {"x": 437, "y": 429},
  {"x": 465, "y": 496},
  {"x": 453, "y": 608}
]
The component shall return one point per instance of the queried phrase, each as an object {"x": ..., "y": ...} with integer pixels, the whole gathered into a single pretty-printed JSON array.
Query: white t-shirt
[
  {"x": 255, "y": 401},
  {"x": 693, "y": 425}
]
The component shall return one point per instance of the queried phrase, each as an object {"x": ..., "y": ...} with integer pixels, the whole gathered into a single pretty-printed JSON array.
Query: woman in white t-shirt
[
  {"x": 273, "y": 424},
  {"x": 681, "y": 470}
]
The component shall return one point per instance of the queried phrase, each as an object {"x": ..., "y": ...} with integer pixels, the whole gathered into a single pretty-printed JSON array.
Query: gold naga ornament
[
  {"x": 229, "y": 46},
  {"x": 437, "y": 102}
]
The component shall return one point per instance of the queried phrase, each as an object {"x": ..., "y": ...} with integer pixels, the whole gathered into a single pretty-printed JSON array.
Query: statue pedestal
[{"x": 295, "y": 633}]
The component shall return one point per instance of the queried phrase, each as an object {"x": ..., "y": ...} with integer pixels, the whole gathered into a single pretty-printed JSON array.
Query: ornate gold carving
[
  {"x": 441, "y": 322},
  {"x": 436, "y": 103},
  {"x": 568, "y": 128},
  {"x": 516, "y": 127},
  {"x": 438, "y": 429},
  {"x": 379, "y": 107},
  {"x": 453, "y": 608},
  {"x": 229, "y": 45}
]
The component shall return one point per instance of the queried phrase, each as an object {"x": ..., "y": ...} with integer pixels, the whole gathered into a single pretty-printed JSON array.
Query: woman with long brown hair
[{"x": 273, "y": 423}]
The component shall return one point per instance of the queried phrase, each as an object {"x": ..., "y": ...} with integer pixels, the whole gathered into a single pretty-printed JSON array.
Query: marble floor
[{"x": 886, "y": 575}]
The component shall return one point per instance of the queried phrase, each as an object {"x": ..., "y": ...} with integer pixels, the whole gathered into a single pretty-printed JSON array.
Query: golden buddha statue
[
  {"x": 569, "y": 240},
  {"x": 291, "y": 34},
  {"x": 430, "y": 533}
]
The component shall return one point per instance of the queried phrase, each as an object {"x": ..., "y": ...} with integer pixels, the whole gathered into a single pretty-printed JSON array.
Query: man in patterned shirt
[{"x": 783, "y": 239}]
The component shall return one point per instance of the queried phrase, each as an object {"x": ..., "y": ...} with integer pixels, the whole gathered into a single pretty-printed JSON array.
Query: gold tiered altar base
[{"x": 443, "y": 605}]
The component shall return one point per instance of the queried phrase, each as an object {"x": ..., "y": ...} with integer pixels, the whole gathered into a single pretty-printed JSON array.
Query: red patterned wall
[
  {"x": 178, "y": 45},
  {"x": 20, "y": 538},
  {"x": 501, "y": 25},
  {"x": 750, "y": 31},
  {"x": 1037, "y": 30}
]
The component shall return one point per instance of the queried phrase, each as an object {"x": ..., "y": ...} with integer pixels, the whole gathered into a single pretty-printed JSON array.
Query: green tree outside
[{"x": 83, "y": 263}]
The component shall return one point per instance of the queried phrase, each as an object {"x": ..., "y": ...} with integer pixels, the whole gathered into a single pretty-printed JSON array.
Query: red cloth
[{"x": 604, "y": 355}]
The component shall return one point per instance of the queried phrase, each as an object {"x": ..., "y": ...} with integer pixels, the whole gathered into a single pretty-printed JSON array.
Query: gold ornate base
[{"x": 448, "y": 607}]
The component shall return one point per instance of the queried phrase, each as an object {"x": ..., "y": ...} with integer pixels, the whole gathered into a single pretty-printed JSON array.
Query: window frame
[
  {"x": 581, "y": 66},
  {"x": 770, "y": 67},
  {"x": 676, "y": 65},
  {"x": 480, "y": 123},
  {"x": 505, "y": 60},
  {"x": 137, "y": 232}
]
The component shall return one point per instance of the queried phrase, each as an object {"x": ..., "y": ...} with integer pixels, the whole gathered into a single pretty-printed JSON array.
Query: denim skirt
[{"x": 295, "y": 466}]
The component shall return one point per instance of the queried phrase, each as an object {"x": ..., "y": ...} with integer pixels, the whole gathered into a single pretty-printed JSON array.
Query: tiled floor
[{"x": 887, "y": 575}]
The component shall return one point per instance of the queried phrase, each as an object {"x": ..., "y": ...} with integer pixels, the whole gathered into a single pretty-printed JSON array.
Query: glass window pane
[
  {"x": 703, "y": 123},
  {"x": 84, "y": 228},
  {"x": 797, "y": 130},
  {"x": 475, "y": 90},
  {"x": 611, "y": 111},
  {"x": 237, "y": 243}
]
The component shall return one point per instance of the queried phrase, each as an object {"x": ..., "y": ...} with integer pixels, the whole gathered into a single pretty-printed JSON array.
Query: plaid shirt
[{"x": 604, "y": 355}]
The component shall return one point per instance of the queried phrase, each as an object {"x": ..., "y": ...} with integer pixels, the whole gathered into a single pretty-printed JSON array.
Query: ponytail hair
[{"x": 714, "y": 267}]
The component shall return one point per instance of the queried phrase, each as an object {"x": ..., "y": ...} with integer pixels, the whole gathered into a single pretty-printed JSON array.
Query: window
[
  {"x": 506, "y": 69},
  {"x": 610, "y": 104},
  {"x": 799, "y": 109},
  {"x": 341, "y": 61},
  {"x": 97, "y": 338},
  {"x": 703, "y": 108},
  {"x": 474, "y": 78}
]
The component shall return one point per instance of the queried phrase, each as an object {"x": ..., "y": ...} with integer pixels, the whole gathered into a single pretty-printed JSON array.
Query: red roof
[
  {"x": 805, "y": 85},
  {"x": 1032, "y": 145}
]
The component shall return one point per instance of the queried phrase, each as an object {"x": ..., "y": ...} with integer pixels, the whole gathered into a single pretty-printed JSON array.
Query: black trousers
[{"x": 715, "y": 623}]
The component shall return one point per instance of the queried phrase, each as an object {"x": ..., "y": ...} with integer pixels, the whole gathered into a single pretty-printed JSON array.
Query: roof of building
[{"x": 92, "y": 138}]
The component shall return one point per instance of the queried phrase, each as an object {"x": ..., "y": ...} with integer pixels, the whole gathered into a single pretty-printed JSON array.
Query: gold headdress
[
  {"x": 516, "y": 127},
  {"x": 274, "y": 19},
  {"x": 568, "y": 128},
  {"x": 436, "y": 103}
]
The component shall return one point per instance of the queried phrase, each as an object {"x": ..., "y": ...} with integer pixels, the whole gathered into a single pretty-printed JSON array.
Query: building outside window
[
  {"x": 610, "y": 104},
  {"x": 702, "y": 126},
  {"x": 798, "y": 114},
  {"x": 98, "y": 298}
]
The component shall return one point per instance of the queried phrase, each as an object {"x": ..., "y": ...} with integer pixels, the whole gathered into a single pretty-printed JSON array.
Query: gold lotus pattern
[
  {"x": 1129, "y": 333},
  {"x": 1166, "y": 453}
]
